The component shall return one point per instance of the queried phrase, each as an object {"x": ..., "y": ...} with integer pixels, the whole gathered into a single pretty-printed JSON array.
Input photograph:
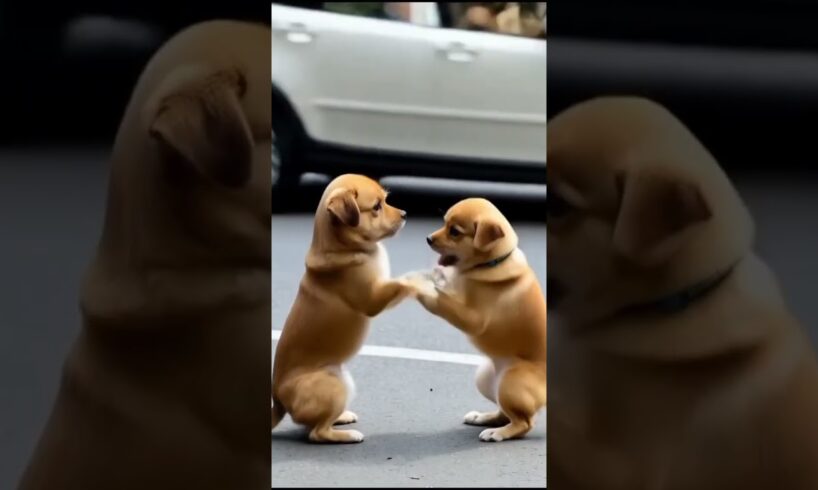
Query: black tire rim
[{"x": 275, "y": 157}]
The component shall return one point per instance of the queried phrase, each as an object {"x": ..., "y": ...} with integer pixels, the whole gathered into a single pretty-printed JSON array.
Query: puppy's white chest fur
[
  {"x": 382, "y": 261},
  {"x": 501, "y": 364},
  {"x": 342, "y": 372}
]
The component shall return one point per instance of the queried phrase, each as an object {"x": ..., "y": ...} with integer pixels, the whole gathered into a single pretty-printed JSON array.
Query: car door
[
  {"x": 490, "y": 95},
  {"x": 353, "y": 80}
]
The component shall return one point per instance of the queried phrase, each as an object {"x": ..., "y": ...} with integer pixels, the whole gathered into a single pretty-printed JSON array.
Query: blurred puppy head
[
  {"x": 353, "y": 212},
  {"x": 208, "y": 126},
  {"x": 521, "y": 19},
  {"x": 474, "y": 232},
  {"x": 636, "y": 208},
  {"x": 479, "y": 18}
]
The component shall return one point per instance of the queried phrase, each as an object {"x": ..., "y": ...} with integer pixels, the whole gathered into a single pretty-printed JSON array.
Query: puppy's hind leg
[
  {"x": 486, "y": 419},
  {"x": 347, "y": 417},
  {"x": 520, "y": 395},
  {"x": 318, "y": 401},
  {"x": 485, "y": 381}
]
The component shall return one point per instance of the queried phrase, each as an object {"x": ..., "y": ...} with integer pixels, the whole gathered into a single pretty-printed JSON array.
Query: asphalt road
[
  {"x": 51, "y": 207},
  {"x": 410, "y": 411}
]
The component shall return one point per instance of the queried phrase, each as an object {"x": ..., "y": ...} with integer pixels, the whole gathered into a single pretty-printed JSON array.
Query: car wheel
[
  {"x": 285, "y": 176},
  {"x": 275, "y": 160}
]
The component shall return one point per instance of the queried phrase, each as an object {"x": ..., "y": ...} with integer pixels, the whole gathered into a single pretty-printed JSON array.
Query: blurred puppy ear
[
  {"x": 342, "y": 205},
  {"x": 486, "y": 234},
  {"x": 654, "y": 212},
  {"x": 197, "y": 115}
]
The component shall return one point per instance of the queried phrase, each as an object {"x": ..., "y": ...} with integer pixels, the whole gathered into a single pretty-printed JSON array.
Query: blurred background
[
  {"x": 742, "y": 75},
  {"x": 68, "y": 71},
  {"x": 95, "y": 50}
]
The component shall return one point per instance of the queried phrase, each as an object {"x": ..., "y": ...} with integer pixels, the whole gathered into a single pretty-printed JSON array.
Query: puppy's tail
[{"x": 278, "y": 413}]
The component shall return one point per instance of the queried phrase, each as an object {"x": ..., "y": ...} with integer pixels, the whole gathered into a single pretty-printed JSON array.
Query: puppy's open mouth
[{"x": 447, "y": 260}]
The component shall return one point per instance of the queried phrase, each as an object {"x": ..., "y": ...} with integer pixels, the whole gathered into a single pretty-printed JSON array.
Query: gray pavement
[
  {"x": 51, "y": 208},
  {"x": 410, "y": 411}
]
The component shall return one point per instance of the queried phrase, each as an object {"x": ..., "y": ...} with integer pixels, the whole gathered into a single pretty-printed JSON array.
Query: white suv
[{"x": 353, "y": 93}]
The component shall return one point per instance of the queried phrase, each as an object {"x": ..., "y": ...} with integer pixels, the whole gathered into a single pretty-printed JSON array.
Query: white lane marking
[{"x": 414, "y": 354}]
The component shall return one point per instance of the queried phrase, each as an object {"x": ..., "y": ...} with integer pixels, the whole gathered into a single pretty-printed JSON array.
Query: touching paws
[
  {"x": 421, "y": 283},
  {"x": 442, "y": 276},
  {"x": 427, "y": 284}
]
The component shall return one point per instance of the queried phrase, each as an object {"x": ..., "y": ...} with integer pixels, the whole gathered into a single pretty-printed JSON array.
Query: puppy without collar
[
  {"x": 675, "y": 362},
  {"x": 345, "y": 284},
  {"x": 487, "y": 290}
]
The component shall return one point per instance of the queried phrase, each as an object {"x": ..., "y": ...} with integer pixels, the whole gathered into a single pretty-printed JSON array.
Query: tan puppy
[
  {"x": 675, "y": 362},
  {"x": 166, "y": 386},
  {"x": 346, "y": 283},
  {"x": 494, "y": 297}
]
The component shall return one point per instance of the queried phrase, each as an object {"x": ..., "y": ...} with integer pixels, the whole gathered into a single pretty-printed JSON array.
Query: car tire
[{"x": 284, "y": 159}]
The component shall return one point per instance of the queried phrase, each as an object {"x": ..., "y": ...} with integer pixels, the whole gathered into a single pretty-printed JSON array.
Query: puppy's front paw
[
  {"x": 442, "y": 276},
  {"x": 427, "y": 290},
  {"x": 420, "y": 283},
  {"x": 491, "y": 435}
]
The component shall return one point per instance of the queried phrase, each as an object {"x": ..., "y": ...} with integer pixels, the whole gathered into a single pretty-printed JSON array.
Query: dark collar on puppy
[
  {"x": 680, "y": 300},
  {"x": 493, "y": 263}
]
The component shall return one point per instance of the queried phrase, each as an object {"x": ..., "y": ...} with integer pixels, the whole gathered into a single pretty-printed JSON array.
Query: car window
[
  {"x": 420, "y": 13},
  {"x": 525, "y": 19}
]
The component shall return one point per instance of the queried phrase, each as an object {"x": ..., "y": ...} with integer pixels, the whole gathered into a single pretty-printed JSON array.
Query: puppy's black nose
[{"x": 429, "y": 239}]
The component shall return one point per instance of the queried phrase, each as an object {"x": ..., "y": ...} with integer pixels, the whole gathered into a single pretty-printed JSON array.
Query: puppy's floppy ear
[
  {"x": 196, "y": 114},
  {"x": 341, "y": 204},
  {"x": 653, "y": 212},
  {"x": 486, "y": 234}
]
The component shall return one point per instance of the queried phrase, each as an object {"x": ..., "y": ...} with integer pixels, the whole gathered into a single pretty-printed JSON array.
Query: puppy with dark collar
[
  {"x": 487, "y": 290},
  {"x": 675, "y": 363},
  {"x": 167, "y": 385}
]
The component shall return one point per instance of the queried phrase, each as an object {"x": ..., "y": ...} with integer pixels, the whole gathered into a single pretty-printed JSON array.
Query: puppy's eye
[
  {"x": 556, "y": 206},
  {"x": 454, "y": 232},
  {"x": 378, "y": 206}
]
